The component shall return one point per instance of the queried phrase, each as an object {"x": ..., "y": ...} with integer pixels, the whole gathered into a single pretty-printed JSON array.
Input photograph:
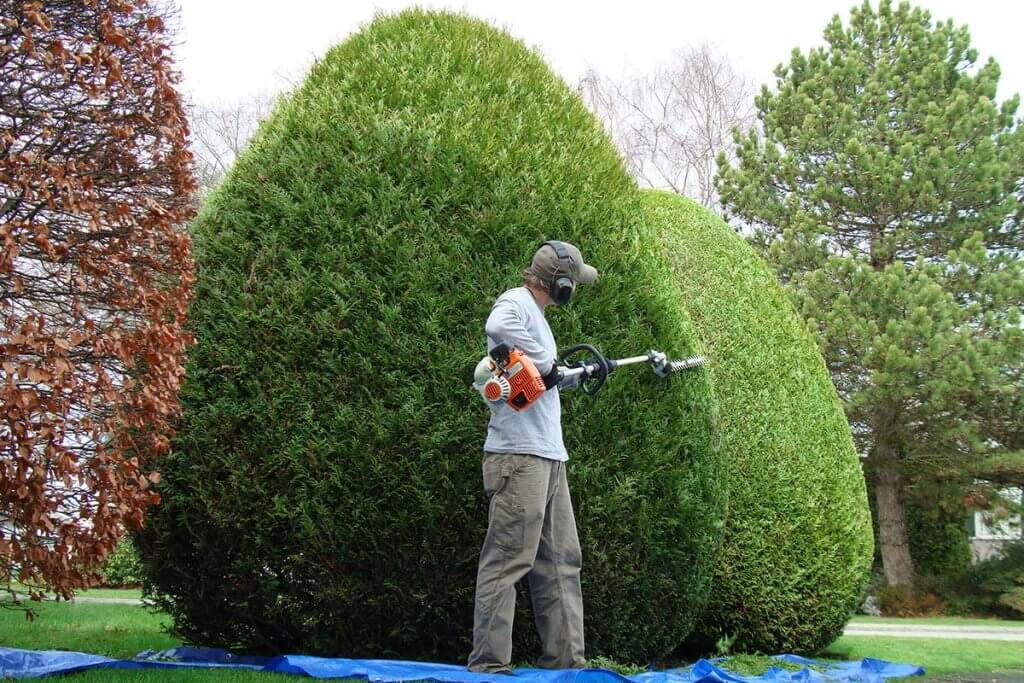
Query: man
[{"x": 531, "y": 528}]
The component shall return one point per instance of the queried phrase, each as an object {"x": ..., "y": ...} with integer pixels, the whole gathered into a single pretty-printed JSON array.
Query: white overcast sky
[{"x": 230, "y": 50}]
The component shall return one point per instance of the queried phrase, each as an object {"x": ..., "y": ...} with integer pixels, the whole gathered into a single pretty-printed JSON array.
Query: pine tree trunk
[{"x": 892, "y": 526}]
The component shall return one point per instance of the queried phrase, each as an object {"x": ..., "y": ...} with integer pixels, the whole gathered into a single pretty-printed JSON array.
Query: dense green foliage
[
  {"x": 324, "y": 492},
  {"x": 938, "y": 535},
  {"x": 883, "y": 185},
  {"x": 798, "y": 544},
  {"x": 123, "y": 568},
  {"x": 994, "y": 587}
]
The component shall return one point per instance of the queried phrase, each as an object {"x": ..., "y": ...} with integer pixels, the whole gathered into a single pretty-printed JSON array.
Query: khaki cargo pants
[{"x": 531, "y": 532}]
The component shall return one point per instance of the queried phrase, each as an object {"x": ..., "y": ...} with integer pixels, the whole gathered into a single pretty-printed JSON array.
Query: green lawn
[
  {"x": 180, "y": 676},
  {"x": 937, "y": 656},
  {"x": 122, "y": 631}
]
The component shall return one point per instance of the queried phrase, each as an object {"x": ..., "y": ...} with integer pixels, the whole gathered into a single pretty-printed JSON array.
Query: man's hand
[{"x": 554, "y": 377}]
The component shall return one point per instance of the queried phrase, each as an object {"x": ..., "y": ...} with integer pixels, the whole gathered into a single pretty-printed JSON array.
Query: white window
[{"x": 999, "y": 524}]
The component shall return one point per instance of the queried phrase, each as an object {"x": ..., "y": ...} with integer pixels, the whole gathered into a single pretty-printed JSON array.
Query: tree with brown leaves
[{"x": 95, "y": 280}]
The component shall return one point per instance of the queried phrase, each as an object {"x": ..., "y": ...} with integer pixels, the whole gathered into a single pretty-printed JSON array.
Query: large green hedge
[
  {"x": 324, "y": 492},
  {"x": 798, "y": 546}
]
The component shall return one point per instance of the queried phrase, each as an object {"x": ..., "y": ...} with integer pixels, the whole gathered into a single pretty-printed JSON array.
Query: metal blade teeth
[{"x": 687, "y": 363}]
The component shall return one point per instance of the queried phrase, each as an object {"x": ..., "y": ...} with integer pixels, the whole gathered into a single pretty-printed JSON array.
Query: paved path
[
  {"x": 949, "y": 631},
  {"x": 106, "y": 601}
]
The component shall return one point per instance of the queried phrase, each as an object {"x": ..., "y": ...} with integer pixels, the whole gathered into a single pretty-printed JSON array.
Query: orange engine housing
[
  {"x": 525, "y": 382},
  {"x": 514, "y": 379}
]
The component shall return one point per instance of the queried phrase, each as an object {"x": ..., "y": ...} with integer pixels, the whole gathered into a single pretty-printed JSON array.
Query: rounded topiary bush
[
  {"x": 324, "y": 492},
  {"x": 798, "y": 544}
]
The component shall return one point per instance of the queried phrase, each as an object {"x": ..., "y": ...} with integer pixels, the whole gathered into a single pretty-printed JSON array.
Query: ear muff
[{"x": 561, "y": 288}]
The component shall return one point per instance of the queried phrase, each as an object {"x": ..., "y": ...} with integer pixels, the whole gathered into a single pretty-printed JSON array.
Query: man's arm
[{"x": 506, "y": 325}]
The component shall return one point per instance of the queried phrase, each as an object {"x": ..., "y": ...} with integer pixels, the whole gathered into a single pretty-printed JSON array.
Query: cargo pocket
[{"x": 507, "y": 515}]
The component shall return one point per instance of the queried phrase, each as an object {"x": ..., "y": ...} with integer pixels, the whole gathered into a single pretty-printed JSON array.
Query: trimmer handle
[{"x": 597, "y": 365}]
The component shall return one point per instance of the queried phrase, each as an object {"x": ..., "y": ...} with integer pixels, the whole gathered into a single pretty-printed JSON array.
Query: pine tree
[{"x": 881, "y": 187}]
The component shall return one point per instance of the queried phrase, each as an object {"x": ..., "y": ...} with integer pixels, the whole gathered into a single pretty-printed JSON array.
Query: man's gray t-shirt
[{"x": 517, "y": 320}]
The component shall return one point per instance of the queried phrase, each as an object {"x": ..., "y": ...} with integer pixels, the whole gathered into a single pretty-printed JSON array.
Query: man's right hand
[{"x": 554, "y": 377}]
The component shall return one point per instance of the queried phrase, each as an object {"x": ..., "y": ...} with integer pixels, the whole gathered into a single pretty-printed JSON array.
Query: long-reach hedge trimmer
[{"x": 508, "y": 375}]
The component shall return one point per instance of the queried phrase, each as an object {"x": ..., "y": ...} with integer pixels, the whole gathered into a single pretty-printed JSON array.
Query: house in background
[{"x": 990, "y": 530}]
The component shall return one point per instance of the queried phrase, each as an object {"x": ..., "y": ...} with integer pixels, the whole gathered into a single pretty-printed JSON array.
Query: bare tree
[
  {"x": 672, "y": 124},
  {"x": 220, "y": 133}
]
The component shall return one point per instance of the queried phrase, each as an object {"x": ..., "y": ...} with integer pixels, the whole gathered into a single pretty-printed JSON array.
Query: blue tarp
[{"x": 32, "y": 663}]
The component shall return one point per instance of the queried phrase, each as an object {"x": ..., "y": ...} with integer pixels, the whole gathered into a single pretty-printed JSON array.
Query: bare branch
[
  {"x": 221, "y": 133},
  {"x": 671, "y": 125}
]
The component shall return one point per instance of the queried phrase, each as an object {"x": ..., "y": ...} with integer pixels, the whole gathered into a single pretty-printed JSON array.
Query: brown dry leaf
[{"x": 36, "y": 375}]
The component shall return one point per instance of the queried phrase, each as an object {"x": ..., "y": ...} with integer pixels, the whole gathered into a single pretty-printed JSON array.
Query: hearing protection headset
[{"x": 561, "y": 287}]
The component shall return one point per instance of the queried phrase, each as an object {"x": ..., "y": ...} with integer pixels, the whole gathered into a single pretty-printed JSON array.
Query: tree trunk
[{"x": 892, "y": 526}]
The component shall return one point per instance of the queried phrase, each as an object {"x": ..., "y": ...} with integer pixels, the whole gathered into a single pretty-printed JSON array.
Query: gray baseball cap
[{"x": 547, "y": 266}]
